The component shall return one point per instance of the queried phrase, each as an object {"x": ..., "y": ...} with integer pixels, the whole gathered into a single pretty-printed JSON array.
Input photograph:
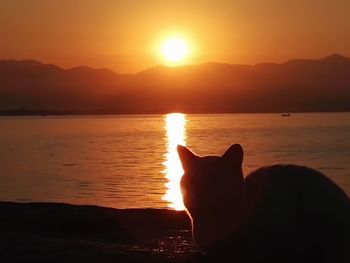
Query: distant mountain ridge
[{"x": 294, "y": 86}]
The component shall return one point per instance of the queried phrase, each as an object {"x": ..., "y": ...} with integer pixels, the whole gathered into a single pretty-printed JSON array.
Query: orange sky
[{"x": 124, "y": 35}]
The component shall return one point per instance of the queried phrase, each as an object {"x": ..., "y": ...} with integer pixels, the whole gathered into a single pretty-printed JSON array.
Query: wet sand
[{"x": 53, "y": 232}]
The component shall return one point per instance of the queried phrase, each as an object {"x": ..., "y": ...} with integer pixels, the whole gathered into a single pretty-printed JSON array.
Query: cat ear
[
  {"x": 234, "y": 155},
  {"x": 187, "y": 158}
]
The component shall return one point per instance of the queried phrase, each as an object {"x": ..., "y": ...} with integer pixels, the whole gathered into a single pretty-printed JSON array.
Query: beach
[{"x": 57, "y": 232}]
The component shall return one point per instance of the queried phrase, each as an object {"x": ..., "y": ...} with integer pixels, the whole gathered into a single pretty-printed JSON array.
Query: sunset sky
[{"x": 127, "y": 36}]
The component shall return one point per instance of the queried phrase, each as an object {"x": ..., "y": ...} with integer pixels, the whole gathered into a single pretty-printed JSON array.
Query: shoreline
[
  {"x": 59, "y": 232},
  {"x": 58, "y": 113}
]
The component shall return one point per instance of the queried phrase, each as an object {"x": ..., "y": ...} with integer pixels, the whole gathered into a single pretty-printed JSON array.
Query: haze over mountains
[{"x": 293, "y": 86}]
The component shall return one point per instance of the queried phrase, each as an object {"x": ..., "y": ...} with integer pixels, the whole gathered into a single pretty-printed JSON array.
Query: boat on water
[{"x": 285, "y": 114}]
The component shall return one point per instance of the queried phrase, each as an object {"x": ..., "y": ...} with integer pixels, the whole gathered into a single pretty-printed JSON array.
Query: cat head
[{"x": 204, "y": 176}]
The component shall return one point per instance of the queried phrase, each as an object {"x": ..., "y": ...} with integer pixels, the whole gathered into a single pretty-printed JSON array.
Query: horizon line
[{"x": 174, "y": 67}]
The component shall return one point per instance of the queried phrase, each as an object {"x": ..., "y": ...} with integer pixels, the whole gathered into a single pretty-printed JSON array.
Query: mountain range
[{"x": 28, "y": 86}]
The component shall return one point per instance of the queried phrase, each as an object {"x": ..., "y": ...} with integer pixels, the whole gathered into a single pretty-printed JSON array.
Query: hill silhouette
[{"x": 293, "y": 86}]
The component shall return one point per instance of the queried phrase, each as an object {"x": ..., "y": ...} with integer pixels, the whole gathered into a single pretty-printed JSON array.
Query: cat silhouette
[{"x": 278, "y": 213}]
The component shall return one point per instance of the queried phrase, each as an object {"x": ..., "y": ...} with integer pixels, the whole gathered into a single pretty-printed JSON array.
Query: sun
[{"x": 174, "y": 50}]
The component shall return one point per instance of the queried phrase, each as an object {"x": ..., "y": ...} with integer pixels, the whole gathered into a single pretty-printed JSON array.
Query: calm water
[{"x": 130, "y": 161}]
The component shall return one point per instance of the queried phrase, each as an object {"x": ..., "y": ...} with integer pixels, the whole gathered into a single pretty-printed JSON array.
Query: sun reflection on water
[{"x": 176, "y": 134}]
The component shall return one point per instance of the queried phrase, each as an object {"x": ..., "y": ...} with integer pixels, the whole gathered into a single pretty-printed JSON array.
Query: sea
[{"x": 130, "y": 161}]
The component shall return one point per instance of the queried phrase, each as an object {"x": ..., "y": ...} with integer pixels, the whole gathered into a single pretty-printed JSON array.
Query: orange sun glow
[{"x": 174, "y": 50}]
